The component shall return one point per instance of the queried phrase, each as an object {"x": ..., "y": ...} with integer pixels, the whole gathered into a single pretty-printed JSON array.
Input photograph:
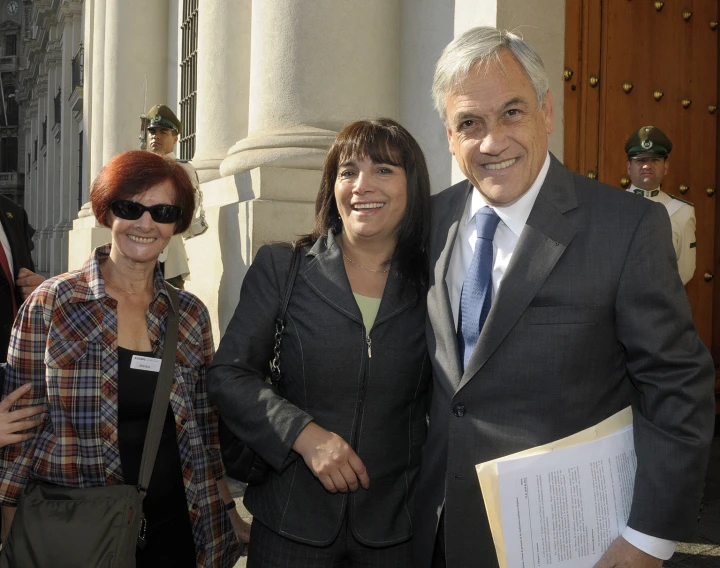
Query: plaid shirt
[{"x": 64, "y": 342}]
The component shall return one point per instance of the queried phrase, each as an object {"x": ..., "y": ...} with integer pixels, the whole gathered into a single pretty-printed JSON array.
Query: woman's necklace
[
  {"x": 123, "y": 289},
  {"x": 351, "y": 261}
]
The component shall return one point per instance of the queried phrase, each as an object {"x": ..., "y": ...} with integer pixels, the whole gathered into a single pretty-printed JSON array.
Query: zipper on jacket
[{"x": 361, "y": 398}]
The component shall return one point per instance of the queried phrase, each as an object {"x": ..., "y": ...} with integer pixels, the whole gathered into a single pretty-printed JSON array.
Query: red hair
[{"x": 132, "y": 173}]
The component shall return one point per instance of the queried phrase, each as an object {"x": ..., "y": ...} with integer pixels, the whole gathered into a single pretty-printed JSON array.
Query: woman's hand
[
  {"x": 241, "y": 528},
  {"x": 331, "y": 459},
  {"x": 16, "y": 421}
]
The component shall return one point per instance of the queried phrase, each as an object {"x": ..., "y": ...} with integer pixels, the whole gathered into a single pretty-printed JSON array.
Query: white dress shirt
[{"x": 513, "y": 218}]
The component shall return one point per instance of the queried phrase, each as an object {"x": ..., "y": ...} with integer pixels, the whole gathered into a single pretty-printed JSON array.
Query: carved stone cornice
[
  {"x": 52, "y": 59},
  {"x": 9, "y": 26},
  {"x": 69, "y": 11}
]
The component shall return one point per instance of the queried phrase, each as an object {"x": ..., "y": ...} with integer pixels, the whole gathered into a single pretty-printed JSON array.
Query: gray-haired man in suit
[{"x": 583, "y": 313}]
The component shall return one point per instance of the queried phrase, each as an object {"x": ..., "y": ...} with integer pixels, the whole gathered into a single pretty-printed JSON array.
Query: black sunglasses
[{"x": 132, "y": 210}]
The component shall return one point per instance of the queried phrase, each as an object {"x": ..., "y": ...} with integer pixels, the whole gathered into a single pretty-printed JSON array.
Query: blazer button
[{"x": 459, "y": 410}]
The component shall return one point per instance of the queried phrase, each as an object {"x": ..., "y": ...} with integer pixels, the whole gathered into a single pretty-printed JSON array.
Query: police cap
[
  {"x": 160, "y": 116},
  {"x": 648, "y": 141}
]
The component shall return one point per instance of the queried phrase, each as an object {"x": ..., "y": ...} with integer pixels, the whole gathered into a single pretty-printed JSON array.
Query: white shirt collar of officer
[{"x": 644, "y": 192}]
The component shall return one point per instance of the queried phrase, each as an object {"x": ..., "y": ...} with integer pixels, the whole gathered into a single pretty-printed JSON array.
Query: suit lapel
[
  {"x": 445, "y": 223},
  {"x": 542, "y": 243},
  {"x": 326, "y": 276},
  {"x": 328, "y": 268}
]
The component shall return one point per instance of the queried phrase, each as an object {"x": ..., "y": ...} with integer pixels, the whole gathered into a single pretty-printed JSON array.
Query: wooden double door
[{"x": 631, "y": 63}]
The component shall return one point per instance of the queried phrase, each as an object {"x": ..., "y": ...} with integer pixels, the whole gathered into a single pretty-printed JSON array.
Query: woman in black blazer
[{"x": 344, "y": 433}]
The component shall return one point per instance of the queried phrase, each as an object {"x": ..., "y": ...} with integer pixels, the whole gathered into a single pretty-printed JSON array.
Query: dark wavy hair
[
  {"x": 383, "y": 141},
  {"x": 134, "y": 172}
]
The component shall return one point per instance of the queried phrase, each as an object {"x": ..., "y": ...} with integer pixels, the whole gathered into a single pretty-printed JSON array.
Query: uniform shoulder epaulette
[{"x": 685, "y": 202}]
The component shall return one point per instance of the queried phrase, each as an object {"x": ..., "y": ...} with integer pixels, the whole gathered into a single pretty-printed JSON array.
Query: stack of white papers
[{"x": 564, "y": 503}]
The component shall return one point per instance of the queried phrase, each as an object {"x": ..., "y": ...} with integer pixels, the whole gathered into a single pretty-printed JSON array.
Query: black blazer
[
  {"x": 15, "y": 224},
  {"x": 377, "y": 404},
  {"x": 591, "y": 316}
]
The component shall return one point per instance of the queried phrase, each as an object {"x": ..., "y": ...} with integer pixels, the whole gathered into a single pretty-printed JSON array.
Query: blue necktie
[{"x": 476, "y": 295}]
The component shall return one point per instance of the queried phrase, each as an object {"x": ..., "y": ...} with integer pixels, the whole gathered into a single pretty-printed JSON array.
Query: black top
[{"x": 165, "y": 504}]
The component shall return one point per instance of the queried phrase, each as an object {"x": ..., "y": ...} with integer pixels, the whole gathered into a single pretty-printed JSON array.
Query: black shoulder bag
[
  {"x": 241, "y": 462},
  {"x": 68, "y": 527}
]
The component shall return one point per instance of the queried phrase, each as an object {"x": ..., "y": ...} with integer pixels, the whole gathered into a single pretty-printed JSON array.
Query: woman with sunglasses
[{"x": 90, "y": 342}]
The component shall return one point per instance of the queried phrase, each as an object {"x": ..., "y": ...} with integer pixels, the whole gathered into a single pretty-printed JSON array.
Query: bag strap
[
  {"x": 280, "y": 320},
  {"x": 162, "y": 392}
]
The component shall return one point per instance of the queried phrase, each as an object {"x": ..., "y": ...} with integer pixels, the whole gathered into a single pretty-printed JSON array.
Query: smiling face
[
  {"x": 371, "y": 199},
  {"x": 141, "y": 241},
  {"x": 496, "y": 131},
  {"x": 162, "y": 140},
  {"x": 647, "y": 172}
]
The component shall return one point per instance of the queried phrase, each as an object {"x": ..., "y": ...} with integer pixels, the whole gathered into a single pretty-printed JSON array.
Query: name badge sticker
[{"x": 145, "y": 363}]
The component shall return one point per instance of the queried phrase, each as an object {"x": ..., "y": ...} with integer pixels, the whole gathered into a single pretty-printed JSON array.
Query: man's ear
[
  {"x": 548, "y": 112},
  {"x": 450, "y": 139}
]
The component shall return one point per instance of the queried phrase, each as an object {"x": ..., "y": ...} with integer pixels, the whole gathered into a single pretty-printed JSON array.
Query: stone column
[
  {"x": 135, "y": 48},
  {"x": 96, "y": 57},
  {"x": 222, "y": 82},
  {"x": 27, "y": 160},
  {"x": 88, "y": 9},
  {"x": 68, "y": 139},
  {"x": 52, "y": 189},
  {"x": 31, "y": 205},
  {"x": 315, "y": 66},
  {"x": 120, "y": 62},
  {"x": 44, "y": 221}
]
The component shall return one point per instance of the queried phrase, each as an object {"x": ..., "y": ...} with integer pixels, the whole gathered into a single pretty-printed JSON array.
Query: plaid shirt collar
[{"x": 91, "y": 285}]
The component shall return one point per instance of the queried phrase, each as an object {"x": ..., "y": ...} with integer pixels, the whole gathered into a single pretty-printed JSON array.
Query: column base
[
  {"x": 84, "y": 237},
  {"x": 207, "y": 169},
  {"x": 58, "y": 254},
  {"x": 242, "y": 213},
  {"x": 42, "y": 244},
  {"x": 85, "y": 211},
  {"x": 303, "y": 147}
]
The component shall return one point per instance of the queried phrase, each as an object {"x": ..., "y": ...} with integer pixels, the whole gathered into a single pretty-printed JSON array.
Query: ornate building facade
[
  {"x": 11, "y": 145},
  {"x": 51, "y": 102}
]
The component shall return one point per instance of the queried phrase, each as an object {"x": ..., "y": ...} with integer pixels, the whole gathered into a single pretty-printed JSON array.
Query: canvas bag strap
[{"x": 162, "y": 392}]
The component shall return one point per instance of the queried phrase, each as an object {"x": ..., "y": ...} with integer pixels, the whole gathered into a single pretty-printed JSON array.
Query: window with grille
[{"x": 188, "y": 78}]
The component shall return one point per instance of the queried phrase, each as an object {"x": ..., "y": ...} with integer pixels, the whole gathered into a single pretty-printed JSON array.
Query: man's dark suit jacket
[
  {"x": 590, "y": 316},
  {"x": 15, "y": 223}
]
